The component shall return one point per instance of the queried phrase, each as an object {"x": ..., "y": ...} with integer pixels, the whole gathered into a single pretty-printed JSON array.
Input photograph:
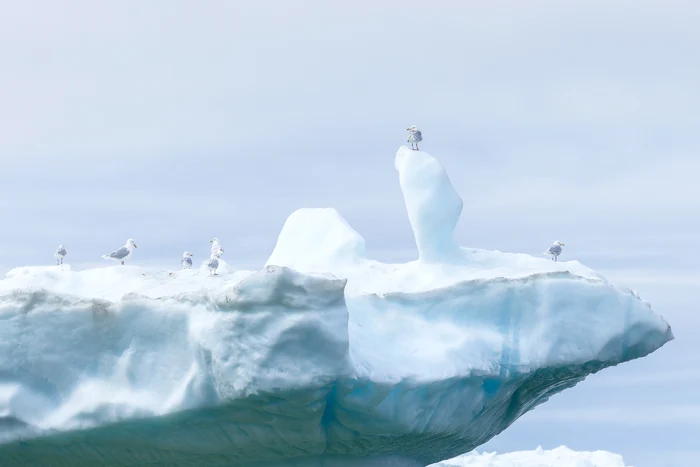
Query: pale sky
[{"x": 173, "y": 122}]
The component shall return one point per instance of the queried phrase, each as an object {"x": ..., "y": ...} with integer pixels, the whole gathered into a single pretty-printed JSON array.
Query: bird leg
[{"x": 122, "y": 263}]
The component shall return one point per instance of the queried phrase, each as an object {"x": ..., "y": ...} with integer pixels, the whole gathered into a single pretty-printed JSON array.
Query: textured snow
[
  {"x": 323, "y": 358},
  {"x": 559, "y": 457}
]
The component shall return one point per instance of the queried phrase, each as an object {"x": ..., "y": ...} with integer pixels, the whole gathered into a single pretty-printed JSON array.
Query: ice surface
[
  {"x": 559, "y": 457},
  {"x": 323, "y": 358}
]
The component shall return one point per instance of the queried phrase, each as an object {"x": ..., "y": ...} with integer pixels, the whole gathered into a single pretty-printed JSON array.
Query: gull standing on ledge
[
  {"x": 186, "y": 260},
  {"x": 213, "y": 263},
  {"x": 123, "y": 253},
  {"x": 414, "y": 136},
  {"x": 554, "y": 250},
  {"x": 216, "y": 246},
  {"x": 60, "y": 254}
]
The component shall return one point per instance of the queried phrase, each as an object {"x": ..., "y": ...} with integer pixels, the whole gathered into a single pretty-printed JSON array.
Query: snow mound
[
  {"x": 559, "y": 457},
  {"x": 317, "y": 240},
  {"x": 323, "y": 358}
]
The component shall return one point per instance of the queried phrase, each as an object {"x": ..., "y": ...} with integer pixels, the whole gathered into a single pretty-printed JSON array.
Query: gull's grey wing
[
  {"x": 121, "y": 253},
  {"x": 214, "y": 263},
  {"x": 61, "y": 251},
  {"x": 187, "y": 261},
  {"x": 415, "y": 137},
  {"x": 554, "y": 250}
]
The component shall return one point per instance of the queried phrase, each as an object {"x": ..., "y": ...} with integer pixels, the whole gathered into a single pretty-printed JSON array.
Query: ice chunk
[
  {"x": 559, "y": 457},
  {"x": 338, "y": 361},
  {"x": 316, "y": 240},
  {"x": 278, "y": 366},
  {"x": 433, "y": 205}
]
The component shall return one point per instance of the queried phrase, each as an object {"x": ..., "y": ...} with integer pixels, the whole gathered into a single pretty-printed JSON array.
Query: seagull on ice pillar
[{"x": 414, "y": 136}]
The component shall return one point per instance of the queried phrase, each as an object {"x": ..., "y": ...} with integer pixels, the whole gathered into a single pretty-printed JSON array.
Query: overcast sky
[{"x": 172, "y": 122}]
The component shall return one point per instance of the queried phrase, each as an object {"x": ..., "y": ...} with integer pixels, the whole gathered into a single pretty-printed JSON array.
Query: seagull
[
  {"x": 60, "y": 254},
  {"x": 554, "y": 250},
  {"x": 186, "y": 260},
  {"x": 414, "y": 136},
  {"x": 213, "y": 263},
  {"x": 216, "y": 246},
  {"x": 123, "y": 253}
]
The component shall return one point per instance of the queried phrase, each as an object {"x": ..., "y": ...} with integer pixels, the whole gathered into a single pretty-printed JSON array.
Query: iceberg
[
  {"x": 559, "y": 457},
  {"x": 323, "y": 358}
]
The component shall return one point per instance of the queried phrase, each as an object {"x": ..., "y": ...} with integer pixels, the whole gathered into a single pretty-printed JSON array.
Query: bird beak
[
  {"x": 408, "y": 129},
  {"x": 211, "y": 241},
  {"x": 135, "y": 245}
]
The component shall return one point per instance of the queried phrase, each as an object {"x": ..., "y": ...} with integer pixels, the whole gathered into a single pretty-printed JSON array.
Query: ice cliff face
[{"x": 323, "y": 358}]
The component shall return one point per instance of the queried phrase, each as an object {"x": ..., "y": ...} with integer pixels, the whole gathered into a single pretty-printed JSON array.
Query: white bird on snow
[
  {"x": 186, "y": 261},
  {"x": 212, "y": 263},
  {"x": 123, "y": 253},
  {"x": 555, "y": 250},
  {"x": 60, "y": 254},
  {"x": 216, "y": 246}
]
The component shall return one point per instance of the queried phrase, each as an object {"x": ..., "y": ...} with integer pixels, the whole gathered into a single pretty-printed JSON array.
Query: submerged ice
[{"x": 323, "y": 358}]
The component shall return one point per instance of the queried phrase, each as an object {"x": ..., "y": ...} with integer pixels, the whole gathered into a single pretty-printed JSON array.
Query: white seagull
[
  {"x": 216, "y": 246},
  {"x": 123, "y": 253},
  {"x": 554, "y": 250},
  {"x": 60, "y": 254},
  {"x": 212, "y": 263},
  {"x": 186, "y": 261},
  {"x": 414, "y": 136}
]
